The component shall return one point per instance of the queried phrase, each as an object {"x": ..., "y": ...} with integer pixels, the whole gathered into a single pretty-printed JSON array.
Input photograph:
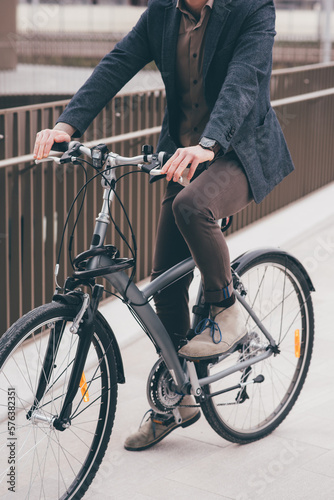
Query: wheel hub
[{"x": 39, "y": 417}]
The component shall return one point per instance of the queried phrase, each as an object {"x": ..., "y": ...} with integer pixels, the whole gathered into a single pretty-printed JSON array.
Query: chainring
[{"x": 160, "y": 395}]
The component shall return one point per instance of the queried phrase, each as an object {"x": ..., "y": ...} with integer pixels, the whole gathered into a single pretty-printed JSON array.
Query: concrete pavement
[{"x": 296, "y": 462}]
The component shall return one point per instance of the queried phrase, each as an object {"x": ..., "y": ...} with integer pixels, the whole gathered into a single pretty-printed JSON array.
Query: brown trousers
[{"x": 188, "y": 226}]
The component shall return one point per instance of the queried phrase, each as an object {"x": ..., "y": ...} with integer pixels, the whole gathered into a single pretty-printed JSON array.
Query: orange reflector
[
  {"x": 83, "y": 387},
  {"x": 297, "y": 343}
]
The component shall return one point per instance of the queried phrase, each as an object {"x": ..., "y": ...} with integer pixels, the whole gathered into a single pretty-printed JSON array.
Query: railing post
[{"x": 327, "y": 35}]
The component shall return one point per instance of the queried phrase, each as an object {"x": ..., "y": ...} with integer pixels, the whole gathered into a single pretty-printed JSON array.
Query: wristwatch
[{"x": 210, "y": 144}]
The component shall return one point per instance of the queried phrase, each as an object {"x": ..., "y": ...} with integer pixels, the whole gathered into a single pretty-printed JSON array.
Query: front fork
[{"x": 85, "y": 332}]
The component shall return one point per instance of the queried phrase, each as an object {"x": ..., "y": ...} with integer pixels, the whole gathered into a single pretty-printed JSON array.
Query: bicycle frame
[{"x": 137, "y": 300}]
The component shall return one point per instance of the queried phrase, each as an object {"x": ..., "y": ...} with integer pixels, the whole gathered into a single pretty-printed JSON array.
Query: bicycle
[{"x": 60, "y": 363}]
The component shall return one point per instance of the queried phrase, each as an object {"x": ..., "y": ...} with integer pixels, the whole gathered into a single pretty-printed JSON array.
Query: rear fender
[{"x": 239, "y": 264}]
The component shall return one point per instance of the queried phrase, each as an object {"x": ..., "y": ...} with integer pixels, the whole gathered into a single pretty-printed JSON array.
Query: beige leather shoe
[
  {"x": 158, "y": 426},
  {"x": 221, "y": 333}
]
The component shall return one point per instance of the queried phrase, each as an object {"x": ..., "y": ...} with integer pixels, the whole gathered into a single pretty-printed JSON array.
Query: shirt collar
[{"x": 182, "y": 7}]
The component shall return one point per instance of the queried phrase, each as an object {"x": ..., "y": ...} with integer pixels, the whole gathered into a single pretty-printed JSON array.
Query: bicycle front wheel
[
  {"x": 36, "y": 460},
  {"x": 279, "y": 294}
]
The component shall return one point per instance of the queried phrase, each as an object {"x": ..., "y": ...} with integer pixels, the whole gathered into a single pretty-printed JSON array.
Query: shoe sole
[{"x": 184, "y": 424}]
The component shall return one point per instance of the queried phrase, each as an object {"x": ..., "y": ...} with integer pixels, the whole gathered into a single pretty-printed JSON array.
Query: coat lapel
[
  {"x": 215, "y": 26},
  {"x": 170, "y": 37}
]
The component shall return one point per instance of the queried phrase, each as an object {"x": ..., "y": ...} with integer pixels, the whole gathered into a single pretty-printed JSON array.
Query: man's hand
[
  {"x": 45, "y": 139},
  {"x": 192, "y": 156}
]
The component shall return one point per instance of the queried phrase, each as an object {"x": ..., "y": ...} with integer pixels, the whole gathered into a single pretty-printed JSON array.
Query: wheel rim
[
  {"x": 277, "y": 298},
  {"x": 50, "y": 464}
]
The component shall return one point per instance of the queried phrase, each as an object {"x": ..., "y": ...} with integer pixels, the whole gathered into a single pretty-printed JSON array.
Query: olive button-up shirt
[{"x": 194, "y": 112}]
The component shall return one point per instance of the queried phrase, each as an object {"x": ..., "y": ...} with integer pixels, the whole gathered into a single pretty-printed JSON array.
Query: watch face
[{"x": 207, "y": 143}]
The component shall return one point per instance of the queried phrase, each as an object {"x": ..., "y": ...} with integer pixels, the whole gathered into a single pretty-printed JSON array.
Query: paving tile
[
  {"x": 324, "y": 464},
  {"x": 237, "y": 470},
  {"x": 297, "y": 485},
  {"x": 203, "y": 433},
  {"x": 309, "y": 430},
  {"x": 166, "y": 489},
  {"x": 129, "y": 472}
]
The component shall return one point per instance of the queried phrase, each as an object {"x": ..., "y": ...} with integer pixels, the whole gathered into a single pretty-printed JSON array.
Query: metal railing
[
  {"x": 89, "y": 48},
  {"x": 301, "y": 80},
  {"x": 34, "y": 200}
]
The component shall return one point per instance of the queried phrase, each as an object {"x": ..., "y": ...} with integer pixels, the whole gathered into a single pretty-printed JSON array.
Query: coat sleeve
[
  {"x": 250, "y": 63},
  {"x": 118, "y": 67}
]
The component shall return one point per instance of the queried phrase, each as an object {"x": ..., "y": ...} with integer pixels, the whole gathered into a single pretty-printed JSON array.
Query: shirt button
[
  {"x": 195, "y": 129},
  {"x": 194, "y": 82},
  {"x": 196, "y": 105},
  {"x": 195, "y": 55}
]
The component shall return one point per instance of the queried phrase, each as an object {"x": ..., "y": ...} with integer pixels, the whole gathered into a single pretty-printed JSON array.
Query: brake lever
[
  {"x": 154, "y": 178},
  {"x": 183, "y": 180}
]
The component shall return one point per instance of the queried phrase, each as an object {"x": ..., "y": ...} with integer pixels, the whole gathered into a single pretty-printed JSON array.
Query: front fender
[
  {"x": 114, "y": 343},
  {"x": 241, "y": 262}
]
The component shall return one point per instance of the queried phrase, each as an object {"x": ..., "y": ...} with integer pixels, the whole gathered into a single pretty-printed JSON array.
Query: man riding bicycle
[{"x": 215, "y": 58}]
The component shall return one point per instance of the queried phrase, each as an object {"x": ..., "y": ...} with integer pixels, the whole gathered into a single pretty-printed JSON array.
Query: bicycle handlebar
[{"x": 149, "y": 163}]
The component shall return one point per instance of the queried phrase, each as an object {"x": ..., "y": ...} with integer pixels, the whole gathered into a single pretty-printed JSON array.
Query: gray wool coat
[{"x": 236, "y": 69}]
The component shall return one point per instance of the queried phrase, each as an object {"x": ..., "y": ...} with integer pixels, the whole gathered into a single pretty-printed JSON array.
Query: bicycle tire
[
  {"x": 280, "y": 295},
  {"x": 51, "y": 464}
]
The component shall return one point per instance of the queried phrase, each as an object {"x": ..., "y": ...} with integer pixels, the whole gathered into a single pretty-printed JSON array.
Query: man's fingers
[
  {"x": 174, "y": 165},
  {"x": 36, "y": 147},
  {"x": 192, "y": 156},
  {"x": 168, "y": 163},
  {"x": 41, "y": 144},
  {"x": 45, "y": 140},
  {"x": 192, "y": 169},
  {"x": 63, "y": 137},
  {"x": 182, "y": 166}
]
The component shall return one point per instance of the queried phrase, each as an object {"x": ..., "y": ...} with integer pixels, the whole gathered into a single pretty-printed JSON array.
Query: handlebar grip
[{"x": 60, "y": 147}]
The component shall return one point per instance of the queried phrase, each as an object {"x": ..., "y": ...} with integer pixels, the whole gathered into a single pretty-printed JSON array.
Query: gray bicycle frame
[{"x": 138, "y": 301}]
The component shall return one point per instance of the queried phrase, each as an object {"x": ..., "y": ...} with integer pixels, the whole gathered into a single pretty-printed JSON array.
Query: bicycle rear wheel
[
  {"x": 47, "y": 463},
  {"x": 278, "y": 293}
]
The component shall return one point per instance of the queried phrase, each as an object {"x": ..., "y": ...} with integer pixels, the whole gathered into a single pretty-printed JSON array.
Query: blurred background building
[{"x": 63, "y": 40}]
